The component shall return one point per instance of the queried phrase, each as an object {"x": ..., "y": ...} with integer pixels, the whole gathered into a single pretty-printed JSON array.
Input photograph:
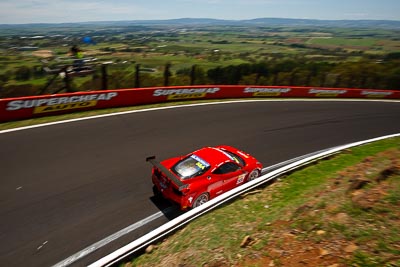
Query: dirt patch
[
  {"x": 286, "y": 249},
  {"x": 43, "y": 53}
]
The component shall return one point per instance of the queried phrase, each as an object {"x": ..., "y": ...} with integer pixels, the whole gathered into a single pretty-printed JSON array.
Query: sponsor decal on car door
[{"x": 234, "y": 179}]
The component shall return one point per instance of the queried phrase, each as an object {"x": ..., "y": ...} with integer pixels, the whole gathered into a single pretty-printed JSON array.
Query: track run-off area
[{"x": 67, "y": 186}]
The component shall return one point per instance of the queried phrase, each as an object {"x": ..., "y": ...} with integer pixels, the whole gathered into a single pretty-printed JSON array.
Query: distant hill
[
  {"x": 390, "y": 24},
  {"x": 268, "y": 21},
  {"x": 326, "y": 23}
]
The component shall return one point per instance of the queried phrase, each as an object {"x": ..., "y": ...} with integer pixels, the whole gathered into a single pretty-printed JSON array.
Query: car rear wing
[{"x": 167, "y": 172}]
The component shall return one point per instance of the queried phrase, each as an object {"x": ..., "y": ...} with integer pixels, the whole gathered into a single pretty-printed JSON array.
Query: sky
[{"x": 61, "y": 11}]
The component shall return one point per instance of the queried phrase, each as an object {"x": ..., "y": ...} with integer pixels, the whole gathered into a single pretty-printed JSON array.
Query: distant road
[{"x": 67, "y": 186}]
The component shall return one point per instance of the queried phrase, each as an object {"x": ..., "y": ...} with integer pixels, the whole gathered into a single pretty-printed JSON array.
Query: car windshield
[
  {"x": 191, "y": 166},
  {"x": 235, "y": 157}
]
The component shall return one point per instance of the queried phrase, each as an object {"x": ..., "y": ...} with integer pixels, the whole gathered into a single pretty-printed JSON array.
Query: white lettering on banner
[
  {"x": 34, "y": 103},
  {"x": 266, "y": 90},
  {"x": 328, "y": 92},
  {"x": 376, "y": 94},
  {"x": 186, "y": 91}
]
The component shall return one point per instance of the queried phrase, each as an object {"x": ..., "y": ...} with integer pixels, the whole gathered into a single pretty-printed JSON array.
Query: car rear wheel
[
  {"x": 201, "y": 199},
  {"x": 253, "y": 175}
]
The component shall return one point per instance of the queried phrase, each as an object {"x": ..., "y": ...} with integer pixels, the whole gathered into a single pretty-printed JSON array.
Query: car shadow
[{"x": 170, "y": 210}]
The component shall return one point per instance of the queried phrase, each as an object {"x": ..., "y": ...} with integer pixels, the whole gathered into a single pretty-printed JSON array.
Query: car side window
[{"x": 226, "y": 168}]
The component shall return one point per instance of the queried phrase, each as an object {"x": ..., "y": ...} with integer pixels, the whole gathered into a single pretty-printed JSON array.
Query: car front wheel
[
  {"x": 201, "y": 199},
  {"x": 253, "y": 175}
]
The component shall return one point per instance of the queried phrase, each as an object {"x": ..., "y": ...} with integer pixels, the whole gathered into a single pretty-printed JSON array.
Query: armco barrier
[
  {"x": 38, "y": 106},
  {"x": 185, "y": 218}
]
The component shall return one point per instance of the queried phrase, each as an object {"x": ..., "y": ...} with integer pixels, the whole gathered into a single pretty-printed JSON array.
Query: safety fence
[{"x": 38, "y": 106}]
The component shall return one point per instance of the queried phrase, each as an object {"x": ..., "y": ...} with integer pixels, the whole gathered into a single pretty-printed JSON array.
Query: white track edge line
[{"x": 86, "y": 251}]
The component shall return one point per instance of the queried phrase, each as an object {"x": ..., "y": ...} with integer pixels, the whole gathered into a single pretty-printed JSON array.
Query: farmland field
[{"x": 26, "y": 51}]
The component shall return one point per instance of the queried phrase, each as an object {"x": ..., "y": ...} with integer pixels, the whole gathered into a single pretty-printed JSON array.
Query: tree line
[{"x": 368, "y": 73}]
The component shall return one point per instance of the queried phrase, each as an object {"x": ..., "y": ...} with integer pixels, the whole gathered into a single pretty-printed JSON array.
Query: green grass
[
  {"x": 367, "y": 42},
  {"x": 39, "y": 81}
]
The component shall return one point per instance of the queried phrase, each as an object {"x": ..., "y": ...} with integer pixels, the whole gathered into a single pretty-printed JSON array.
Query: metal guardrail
[{"x": 185, "y": 218}]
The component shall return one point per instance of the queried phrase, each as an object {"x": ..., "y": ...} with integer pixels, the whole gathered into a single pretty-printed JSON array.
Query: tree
[
  {"x": 23, "y": 73},
  {"x": 5, "y": 76},
  {"x": 392, "y": 79}
]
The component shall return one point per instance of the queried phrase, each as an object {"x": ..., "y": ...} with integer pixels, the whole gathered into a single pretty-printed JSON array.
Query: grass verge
[{"x": 344, "y": 211}]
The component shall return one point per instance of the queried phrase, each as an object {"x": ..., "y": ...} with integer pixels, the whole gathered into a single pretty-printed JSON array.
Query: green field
[{"x": 369, "y": 43}]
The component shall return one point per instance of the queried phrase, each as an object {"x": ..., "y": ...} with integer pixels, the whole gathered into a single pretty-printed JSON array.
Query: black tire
[
  {"x": 156, "y": 192},
  {"x": 253, "y": 175},
  {"x": 201, "y": 199}
]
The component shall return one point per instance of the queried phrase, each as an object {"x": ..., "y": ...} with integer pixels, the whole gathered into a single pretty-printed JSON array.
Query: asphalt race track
[{"x": 67, "y": 186}]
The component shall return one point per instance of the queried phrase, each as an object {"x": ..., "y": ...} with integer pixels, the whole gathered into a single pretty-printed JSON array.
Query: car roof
[{"x": 212, "y": 155}]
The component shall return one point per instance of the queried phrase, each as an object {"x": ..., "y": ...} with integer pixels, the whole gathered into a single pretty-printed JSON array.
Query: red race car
[{"x": 192, "y": 180}]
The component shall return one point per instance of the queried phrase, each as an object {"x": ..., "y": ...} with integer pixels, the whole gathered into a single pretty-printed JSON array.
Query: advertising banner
[{"x": 45, "y": 105}]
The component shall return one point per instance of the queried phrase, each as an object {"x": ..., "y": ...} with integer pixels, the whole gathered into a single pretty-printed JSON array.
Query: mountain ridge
[{"x": 247, "y": 22}]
